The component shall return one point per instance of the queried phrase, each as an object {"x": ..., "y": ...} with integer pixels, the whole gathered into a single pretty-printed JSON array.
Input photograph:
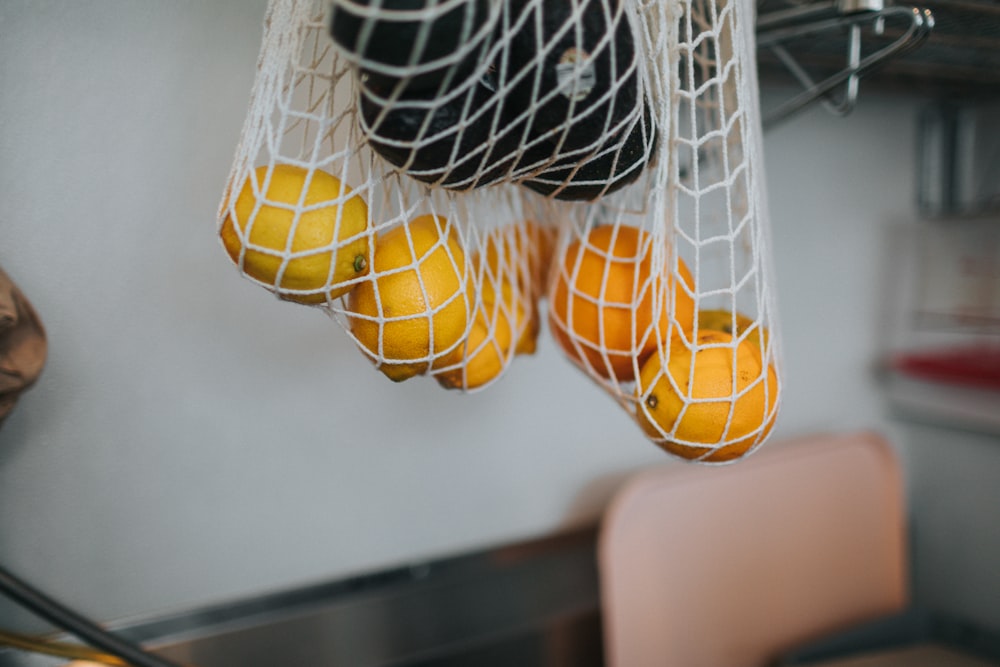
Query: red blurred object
[{"x": 972, "y": 365}]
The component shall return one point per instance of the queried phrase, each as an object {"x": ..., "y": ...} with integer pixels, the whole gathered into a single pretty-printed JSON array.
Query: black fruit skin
[
  {"x": 478, "y": 160},
  {"x": 393, "y": 39},
  {"x": 570, "y": 130},
  {"x": 584, "y": 122},
  {"x": 616, "y": 164},
  {"x": 393, "y": 109},
  {"x": 542, "y": 149}
]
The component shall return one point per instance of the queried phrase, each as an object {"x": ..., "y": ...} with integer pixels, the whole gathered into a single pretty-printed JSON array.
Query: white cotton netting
[{"x": 449, "y": 178}]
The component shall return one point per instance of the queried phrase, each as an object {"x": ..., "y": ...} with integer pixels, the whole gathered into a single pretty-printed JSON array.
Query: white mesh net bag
[
  {"x": 663, "y": 293},
  {"x": 437, "y": 174}
]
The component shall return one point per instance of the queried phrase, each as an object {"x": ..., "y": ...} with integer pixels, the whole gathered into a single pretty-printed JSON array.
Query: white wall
[
  {"x": 956, "y": 504},
  {"x": 840, "y": 191},
  {"x": 192, "y": 439}
]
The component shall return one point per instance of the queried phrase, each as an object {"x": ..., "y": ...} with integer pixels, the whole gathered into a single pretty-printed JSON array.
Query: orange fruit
[
  {"x": 306, "y": 244},
  {"x": 736, "y": 324},
  {"x": 413, "y": 311},
  {"x": 692, "y": 401},
  {"x": 601, "y": 301}
]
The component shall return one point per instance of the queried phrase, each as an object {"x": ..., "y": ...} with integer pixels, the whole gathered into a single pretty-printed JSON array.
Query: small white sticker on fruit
[{"x": 575, "y": 74}]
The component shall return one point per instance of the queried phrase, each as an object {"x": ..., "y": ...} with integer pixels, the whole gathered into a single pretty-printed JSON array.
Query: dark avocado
[
  {"x": 581, "y": 86},
  {"x": 392, "y": 39},
  {"x": 586, "y": 82},
  {"x": 559, "y": 108},
  {"x": 462, "y": 157},
  {"x": 616, "y": 164}
]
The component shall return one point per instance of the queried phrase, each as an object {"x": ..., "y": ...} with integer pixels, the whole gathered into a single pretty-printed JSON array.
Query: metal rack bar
[
  {"x": 51, "y": 610},
  {"x": 775, "y": 28}
]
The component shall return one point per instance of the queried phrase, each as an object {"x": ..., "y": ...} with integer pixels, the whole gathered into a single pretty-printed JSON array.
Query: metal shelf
[
  {"x": 937, "y": 47},
  {"x": 951, "y": 406}
]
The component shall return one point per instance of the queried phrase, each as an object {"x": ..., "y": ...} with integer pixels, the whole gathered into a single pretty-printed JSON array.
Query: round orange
[
  {"x": 601, "y": 302},
  {"x": 691, "y": 408}
]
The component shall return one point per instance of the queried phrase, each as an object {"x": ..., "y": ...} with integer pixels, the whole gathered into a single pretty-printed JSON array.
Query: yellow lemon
[
  {"x": 525, "y": 312},
  {"x": 527, "y": 343},
  {"x": 521, "y": 253},
  {"x": 308, "y": 256},
  {"x": 413, "y": 311},
  {"x": 692, "y": 399},
  {"x": 486, "y": 350},
  {"x": 523, "y": 301}
]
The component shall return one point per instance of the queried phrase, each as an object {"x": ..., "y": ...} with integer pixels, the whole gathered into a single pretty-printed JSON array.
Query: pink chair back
[{"x": 729, "y": 566}]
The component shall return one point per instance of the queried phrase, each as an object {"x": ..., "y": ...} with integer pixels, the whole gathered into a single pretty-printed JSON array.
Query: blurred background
[{"x": 194, "y": 440}]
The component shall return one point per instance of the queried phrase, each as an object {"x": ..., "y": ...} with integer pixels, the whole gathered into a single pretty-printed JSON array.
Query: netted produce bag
[
  {"x": 427, "y": 280},
  {"x": 662, "y": 293},
  {"x": 437, "y": 175}
]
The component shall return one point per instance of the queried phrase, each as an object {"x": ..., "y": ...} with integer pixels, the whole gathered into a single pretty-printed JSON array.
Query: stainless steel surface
[
  {"x": 860, "y": 5},
  {"x": 855, "y": 25},
  {"x": 529, "y": 604},
  {"x": 961, "y": 55}
]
